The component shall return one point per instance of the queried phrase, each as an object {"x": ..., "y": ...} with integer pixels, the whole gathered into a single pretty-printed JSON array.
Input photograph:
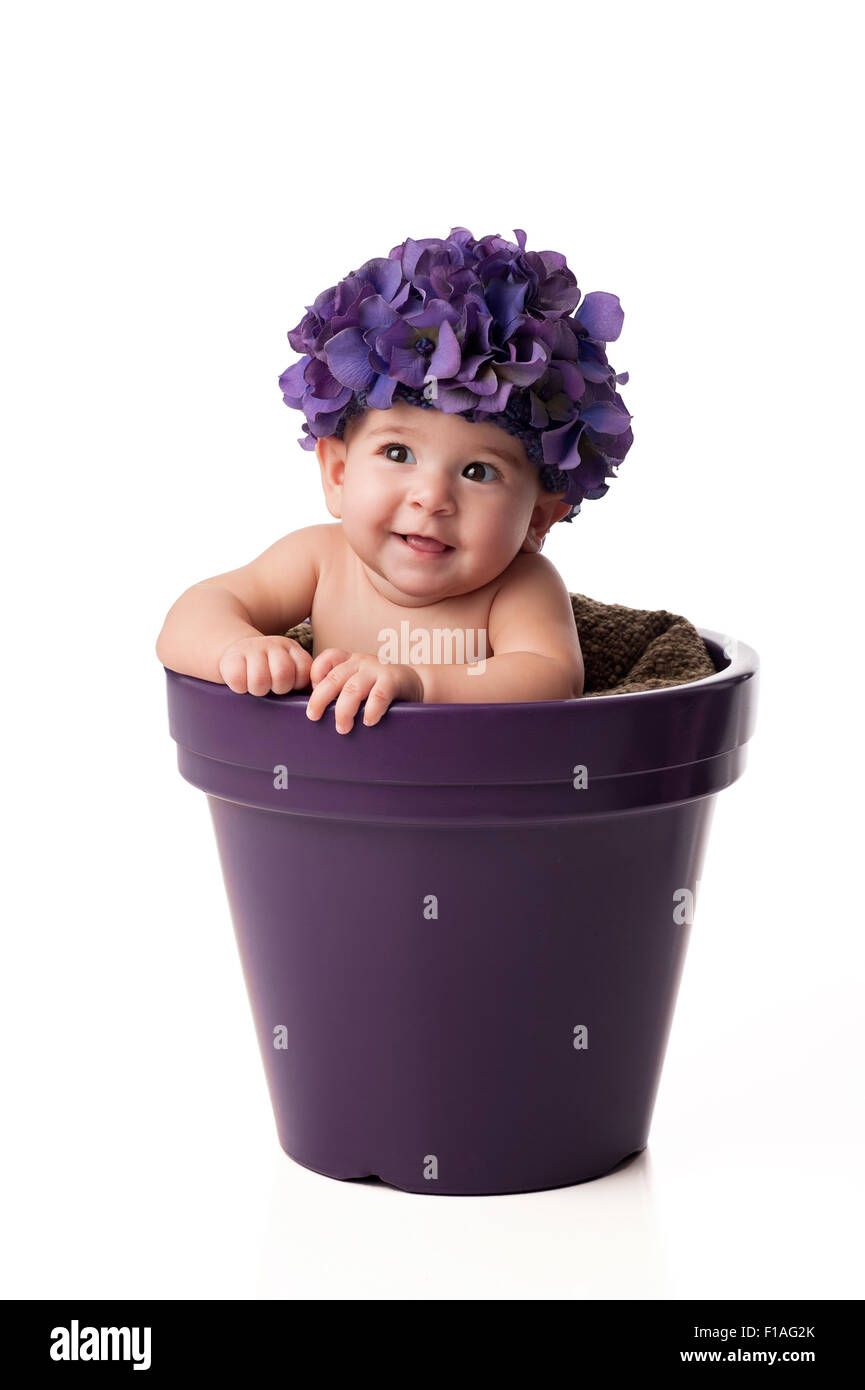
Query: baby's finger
[
  {"x": 232, "y": 668},
  {"x": 324, "y": 692},
  {"x": 282, "y": 670},
  {"x": 325, "y": 662},
  {"x": 377, "y": 702},
  {"x": 257, "y": 671},
  {"x": 353, "y": 692},
  {"x": 302, "y": 664}
]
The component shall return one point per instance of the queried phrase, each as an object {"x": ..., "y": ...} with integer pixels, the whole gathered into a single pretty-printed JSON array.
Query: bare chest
[{"x": 348, "y": 612}]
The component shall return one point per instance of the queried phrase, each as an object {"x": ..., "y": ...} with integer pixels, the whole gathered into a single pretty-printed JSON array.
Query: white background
[{"x": 181, "y": 181}]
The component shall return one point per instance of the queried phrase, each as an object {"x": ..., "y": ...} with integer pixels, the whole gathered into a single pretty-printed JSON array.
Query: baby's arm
[
  {"x": 228, "y": 629},
  {"x": 533, "y": 637}
]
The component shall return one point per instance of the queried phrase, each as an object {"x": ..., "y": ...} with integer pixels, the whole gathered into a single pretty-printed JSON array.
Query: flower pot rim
[
  {"x": 685, "y": 741},
  {"x": 743, "y": 664}
]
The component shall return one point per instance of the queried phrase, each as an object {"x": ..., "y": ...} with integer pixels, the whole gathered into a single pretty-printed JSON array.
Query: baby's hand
[
  {"x": 255, "y": 665},
  {"x": 359, "y": 676}
]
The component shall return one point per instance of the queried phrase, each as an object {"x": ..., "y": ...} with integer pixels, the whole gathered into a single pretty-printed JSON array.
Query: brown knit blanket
[{"x": 625, "y": 649}]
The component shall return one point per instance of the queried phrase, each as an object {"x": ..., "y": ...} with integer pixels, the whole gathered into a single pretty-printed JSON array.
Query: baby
[{"x": 457, "y": 410}]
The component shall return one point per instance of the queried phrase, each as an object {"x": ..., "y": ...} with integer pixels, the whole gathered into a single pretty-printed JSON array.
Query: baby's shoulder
[
  {"x": 528, "y": 573},
  {"x": 323, "y": 532},
  {"x": 326, "y": 533},
  {"x": 328, "y": 540},
  {"x": 318, "y": 543},
  {"x": 530, "y": 590}
]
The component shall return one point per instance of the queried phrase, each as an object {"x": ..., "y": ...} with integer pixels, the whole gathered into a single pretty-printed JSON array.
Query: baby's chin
[
  {"x": 431, "y": 574},
  {"x": 419, "y": 576},
  {"x": 424, "y": 576}
]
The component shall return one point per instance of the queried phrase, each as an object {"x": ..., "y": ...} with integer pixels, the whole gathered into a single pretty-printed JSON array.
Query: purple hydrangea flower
[{"x": 501, "y": 330}]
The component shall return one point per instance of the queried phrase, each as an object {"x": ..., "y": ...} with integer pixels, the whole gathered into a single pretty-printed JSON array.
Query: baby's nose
[{"x": 432, "y": 489}]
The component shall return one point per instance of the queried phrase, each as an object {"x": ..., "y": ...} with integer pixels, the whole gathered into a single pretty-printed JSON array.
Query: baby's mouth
[{"x": 424, "y": 544}]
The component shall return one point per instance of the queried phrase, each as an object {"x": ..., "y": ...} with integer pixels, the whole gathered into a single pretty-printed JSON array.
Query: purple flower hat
[{"x": 484, "y": 329}]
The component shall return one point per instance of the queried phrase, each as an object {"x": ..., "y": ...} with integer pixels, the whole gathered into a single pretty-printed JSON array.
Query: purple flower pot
[{"x": 462, "y": 953}]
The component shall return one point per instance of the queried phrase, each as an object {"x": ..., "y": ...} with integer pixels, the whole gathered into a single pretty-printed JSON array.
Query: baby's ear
[
  {"x": 330, "y": 452},
  {"x": 545, "y": 515}
]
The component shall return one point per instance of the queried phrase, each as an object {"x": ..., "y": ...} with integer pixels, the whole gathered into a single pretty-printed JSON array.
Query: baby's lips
[{"x": 427, "y": 543}]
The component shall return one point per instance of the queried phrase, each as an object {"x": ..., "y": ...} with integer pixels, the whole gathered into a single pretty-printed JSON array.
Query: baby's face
[{"x": 415, "y": 472}]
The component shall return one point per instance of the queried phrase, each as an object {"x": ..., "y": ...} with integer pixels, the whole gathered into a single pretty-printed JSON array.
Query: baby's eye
[
  {"x": 474, "y": 478},
  {"x": 388, "y": 448}
]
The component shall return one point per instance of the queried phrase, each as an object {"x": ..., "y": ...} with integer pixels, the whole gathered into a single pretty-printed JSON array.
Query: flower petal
[
  {"x": 606, "y": 418},
  {"x": 346, "y": 355},
  {"x": 602, "y": 315},
  {"x": 445, "y": 361}
]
